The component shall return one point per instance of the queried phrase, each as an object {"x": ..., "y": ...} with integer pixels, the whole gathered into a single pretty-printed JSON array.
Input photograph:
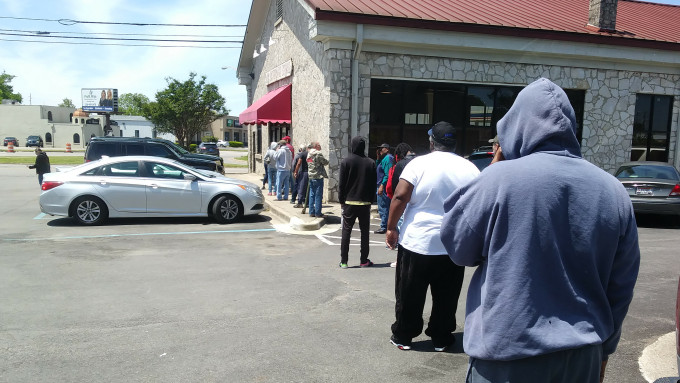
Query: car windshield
[
  {"x": 647, "y": 171},
  {"x": 33, "y": 137}
]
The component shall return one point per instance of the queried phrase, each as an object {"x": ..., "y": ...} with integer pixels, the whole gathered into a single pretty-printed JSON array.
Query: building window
[
  {"x": 48, "y": 137},
  {"x": 279, "y": 9},
  {"x": 120, "y": 133},
  {"x": 651, "y": 128},
  {"x": 236, "y": 136},
  {"x": 226, "y": 136},
  {"x": 136, "y": 133},
  {"x": 70, "y": 117},
  {"x": 49, "y": 116},
  {"x": 76, "y": 138}
]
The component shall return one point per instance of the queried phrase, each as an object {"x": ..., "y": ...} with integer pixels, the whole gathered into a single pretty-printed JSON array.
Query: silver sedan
[
  {"x": 142, "y": 186},
  {"x": 654, "y": 187}
]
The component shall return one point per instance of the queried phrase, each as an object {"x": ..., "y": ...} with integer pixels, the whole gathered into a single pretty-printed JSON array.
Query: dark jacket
[
  {"x": 398, "y": 168},
  {"x": 357, "y": 174},
  {"x": 42, "y": 164}
]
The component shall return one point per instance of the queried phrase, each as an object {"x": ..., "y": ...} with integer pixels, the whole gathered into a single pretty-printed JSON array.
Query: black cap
[
  {"x": 494, "y": 140},
  {"x": 443, "y": 133},
  {"x": 384, "y": 146}
]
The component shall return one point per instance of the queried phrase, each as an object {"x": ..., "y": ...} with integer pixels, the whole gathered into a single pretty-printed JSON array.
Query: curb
[{"x": 295, "y": 222}]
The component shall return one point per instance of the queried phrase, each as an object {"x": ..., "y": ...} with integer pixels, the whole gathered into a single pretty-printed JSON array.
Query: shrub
[
  {"x": 192, "y": 148},
  {"x": 235, "y": 144},
  {"x": 209, "y": 139}
]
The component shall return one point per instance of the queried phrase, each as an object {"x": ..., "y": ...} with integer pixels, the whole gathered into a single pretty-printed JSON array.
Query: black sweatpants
[
  {"x": 415, "y": 272},
  {"x": 349, "y": 215}
]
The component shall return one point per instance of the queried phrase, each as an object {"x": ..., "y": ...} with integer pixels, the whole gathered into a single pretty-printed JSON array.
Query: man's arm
[{"x": 402, "y": 196}]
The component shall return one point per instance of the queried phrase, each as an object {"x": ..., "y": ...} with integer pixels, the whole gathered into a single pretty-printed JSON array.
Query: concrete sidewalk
[{"x": 285, "y": 210}]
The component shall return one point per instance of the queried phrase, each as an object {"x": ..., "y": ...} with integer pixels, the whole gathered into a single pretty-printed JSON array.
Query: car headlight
[{"x": 251, "y": 190}]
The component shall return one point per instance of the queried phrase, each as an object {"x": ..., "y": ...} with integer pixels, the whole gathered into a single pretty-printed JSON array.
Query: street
[{"x": 184, "y": 300}]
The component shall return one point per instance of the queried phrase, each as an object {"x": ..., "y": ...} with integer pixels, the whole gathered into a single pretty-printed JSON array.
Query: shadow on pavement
[
  {"x": 657, "y": 221},
  {"x": 204, "y": 221}
]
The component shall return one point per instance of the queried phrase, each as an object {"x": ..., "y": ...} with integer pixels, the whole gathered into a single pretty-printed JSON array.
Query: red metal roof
[
  {"x": 636, "y": 20},
  {"x": 273, "y": 107}
]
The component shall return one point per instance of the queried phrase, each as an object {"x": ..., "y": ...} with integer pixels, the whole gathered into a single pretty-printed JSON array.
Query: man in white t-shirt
[{"x": 422, "y": 260}]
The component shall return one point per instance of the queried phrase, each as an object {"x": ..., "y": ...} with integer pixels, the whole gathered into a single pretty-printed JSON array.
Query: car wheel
[
  {"x": 227, "y": 209},
  {"x": 89, "y": 211}
]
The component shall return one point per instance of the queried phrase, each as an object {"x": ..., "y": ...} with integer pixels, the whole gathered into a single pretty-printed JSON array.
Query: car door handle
[
  {"x": 154, "y": 186},
  {"x": 103, "y": 182}
]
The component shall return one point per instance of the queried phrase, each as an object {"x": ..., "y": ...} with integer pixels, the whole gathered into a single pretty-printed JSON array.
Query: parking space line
[
  {"x": 134, "y": 235},
  {"x": 40, "y": 216}
]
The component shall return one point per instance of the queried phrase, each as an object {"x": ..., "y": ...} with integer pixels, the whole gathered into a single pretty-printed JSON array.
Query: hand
[
  {"x": 380, "y": 189},
  {"x": 498, "y": 156},
  {"x": 392, "y": 239},
  {"x": 604, "y": 366}
]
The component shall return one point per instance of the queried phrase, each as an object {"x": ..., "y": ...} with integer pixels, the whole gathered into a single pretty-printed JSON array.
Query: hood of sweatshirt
[
  {"x": 540, "y": 120},
  {"x": 358, "y": 146},
  {"x": 273, "y": 145}
]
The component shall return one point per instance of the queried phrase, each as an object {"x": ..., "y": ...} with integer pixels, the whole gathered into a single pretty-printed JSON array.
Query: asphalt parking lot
[{"x": 189, "y": 300}]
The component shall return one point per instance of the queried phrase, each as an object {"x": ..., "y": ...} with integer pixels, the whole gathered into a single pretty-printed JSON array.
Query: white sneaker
[{"x": 393, "y": 264}]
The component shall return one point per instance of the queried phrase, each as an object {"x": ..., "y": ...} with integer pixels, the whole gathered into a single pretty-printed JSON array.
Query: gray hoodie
[{"x": 553, "y": 237}]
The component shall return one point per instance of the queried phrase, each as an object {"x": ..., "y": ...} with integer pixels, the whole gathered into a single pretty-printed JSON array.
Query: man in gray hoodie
[{"x": 555, "y": 244}]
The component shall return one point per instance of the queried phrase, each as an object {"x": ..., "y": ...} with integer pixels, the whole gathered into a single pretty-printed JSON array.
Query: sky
[{"x": 46, "y": 73}]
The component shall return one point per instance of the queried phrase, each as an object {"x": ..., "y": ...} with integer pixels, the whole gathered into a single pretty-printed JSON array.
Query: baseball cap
[
  {"x": 443, "y": 132},
  {"x": 494, "y": 140},
  {"x": 384, "y": 146}
]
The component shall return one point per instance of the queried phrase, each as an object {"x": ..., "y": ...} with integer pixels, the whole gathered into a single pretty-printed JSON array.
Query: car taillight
[
  {"x": 676, "y": 191},
  {"x": 47, "y": 185}
]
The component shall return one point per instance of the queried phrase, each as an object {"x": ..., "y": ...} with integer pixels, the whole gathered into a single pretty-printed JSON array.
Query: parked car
[
  {"x": 13, "y": 140},
  {"x": 127, "y": 146},
  {"x": 145, "y": 186},
  {"x": 209, "y": 148},
  {"x": 481, "y": 157},
  {"x": 654, "y": 187},
  {"x": 34, "y": 141},
  {"x": 223, "y": 144}
]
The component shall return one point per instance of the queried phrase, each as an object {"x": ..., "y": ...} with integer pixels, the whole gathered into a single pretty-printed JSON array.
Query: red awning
[{"x": 273, "y": 107}]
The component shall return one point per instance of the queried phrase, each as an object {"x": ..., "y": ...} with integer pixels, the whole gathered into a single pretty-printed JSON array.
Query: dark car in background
[
  {"x": 34, "y": 141},
  {"x": 209, "y": 148},
  {"x": 481, "y": 157},
  {"x": 13, "y": 140},
  {"x": 653, "y": 187},
  {"x": 157, "y": 147}
]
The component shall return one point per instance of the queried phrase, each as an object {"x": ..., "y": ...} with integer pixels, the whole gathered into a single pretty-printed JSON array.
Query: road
[{"x": 183, "y": 300}]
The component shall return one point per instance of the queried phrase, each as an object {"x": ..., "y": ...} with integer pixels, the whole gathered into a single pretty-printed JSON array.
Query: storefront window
[{"x": 651, "y": 128}]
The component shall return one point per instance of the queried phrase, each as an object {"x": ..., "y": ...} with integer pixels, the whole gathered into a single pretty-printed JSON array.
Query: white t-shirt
[{"x": 434, "y": 177}]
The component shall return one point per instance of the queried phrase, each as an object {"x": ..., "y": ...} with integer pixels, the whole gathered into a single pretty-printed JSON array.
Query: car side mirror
[{"x": 189, "y": 177}]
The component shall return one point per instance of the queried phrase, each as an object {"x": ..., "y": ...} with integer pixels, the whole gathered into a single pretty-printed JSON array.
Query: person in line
[
  {"x": 385, "y": 161},
  {"x": 270, "y": 165},
  {"x": 316, "y": 172},
  {"x": 494, "y": 149},
  {"x": 422, "y": 260},
  {"x": 41, "y": 165},
  {"x": 291, "y": 179},
  {"x": 556, "y": 262},
  {"x": 299, "y": 171},
  {"x": 284, "y": 161},
  {"x": 356, "y": 194},
  {"x": 402, "y": 154}
]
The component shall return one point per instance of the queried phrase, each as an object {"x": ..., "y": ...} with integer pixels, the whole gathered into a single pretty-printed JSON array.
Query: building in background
[
  {"x": 328, "y": 71},
  {"x": 228, "y": 128}
]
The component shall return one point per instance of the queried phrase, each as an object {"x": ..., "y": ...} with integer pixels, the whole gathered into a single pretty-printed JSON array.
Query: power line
[
  {"x": 125, "y": 39},
  {"x": 112, "y": 34},
  {"x": 72, "y": 22},
  {"x": 122, "y": 45}
]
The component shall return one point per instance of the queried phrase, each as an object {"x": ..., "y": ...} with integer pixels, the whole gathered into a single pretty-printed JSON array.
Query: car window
[
  {"x": 157, "y": 150},
  {"x": 134, "y": 149},
  {"x": 120, "y": 169},
  {"x": 647, "y": 171},
  {"x": 98, "y": 149},
  {"x": 158, "y": 170}
]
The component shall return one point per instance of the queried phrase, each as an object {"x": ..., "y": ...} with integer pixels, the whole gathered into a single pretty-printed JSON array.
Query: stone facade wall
[{"x": 609, "y": 103}]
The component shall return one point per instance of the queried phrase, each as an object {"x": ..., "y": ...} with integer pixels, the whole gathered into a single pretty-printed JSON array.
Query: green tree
[
  {"x": 6, "y": 90},
  {"x": 67, "y": 103},
  {"x": 185, "y": 108},
  {"x": 132, "y": 104}
]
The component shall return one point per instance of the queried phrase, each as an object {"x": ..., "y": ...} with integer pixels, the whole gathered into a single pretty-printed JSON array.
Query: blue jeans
[
  {"x": 271, "y": 174},
  {"x": 383, "y": 208},
  {"x": 315, "y": 196},
  {"x": 282, "y": 182}
]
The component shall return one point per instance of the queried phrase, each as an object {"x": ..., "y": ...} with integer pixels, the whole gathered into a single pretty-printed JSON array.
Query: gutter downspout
[{"x": 354, "y": 113}]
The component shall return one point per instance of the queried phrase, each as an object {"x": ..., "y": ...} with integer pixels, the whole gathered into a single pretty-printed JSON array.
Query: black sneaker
[
  {"x": 443, "y": 344},
  {"x": 400, "y": 343},
  {"x": 381, "y": 231},
  {"x": 368, "y": 263}
]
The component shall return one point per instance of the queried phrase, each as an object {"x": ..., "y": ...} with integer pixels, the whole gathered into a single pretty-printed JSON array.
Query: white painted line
[
  {"x": 324, "y": 240},
  {"x": 40, "y": 216}
]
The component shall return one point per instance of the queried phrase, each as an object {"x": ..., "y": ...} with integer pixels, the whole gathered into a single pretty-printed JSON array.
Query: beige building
[
  {"x": 328, "y": 71},
  {"x": 56, "y": 125},
  {"x": 228, "y": 128}
]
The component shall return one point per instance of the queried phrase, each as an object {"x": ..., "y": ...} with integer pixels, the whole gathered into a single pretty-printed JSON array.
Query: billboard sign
[{"x": 99, "y": 99}]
